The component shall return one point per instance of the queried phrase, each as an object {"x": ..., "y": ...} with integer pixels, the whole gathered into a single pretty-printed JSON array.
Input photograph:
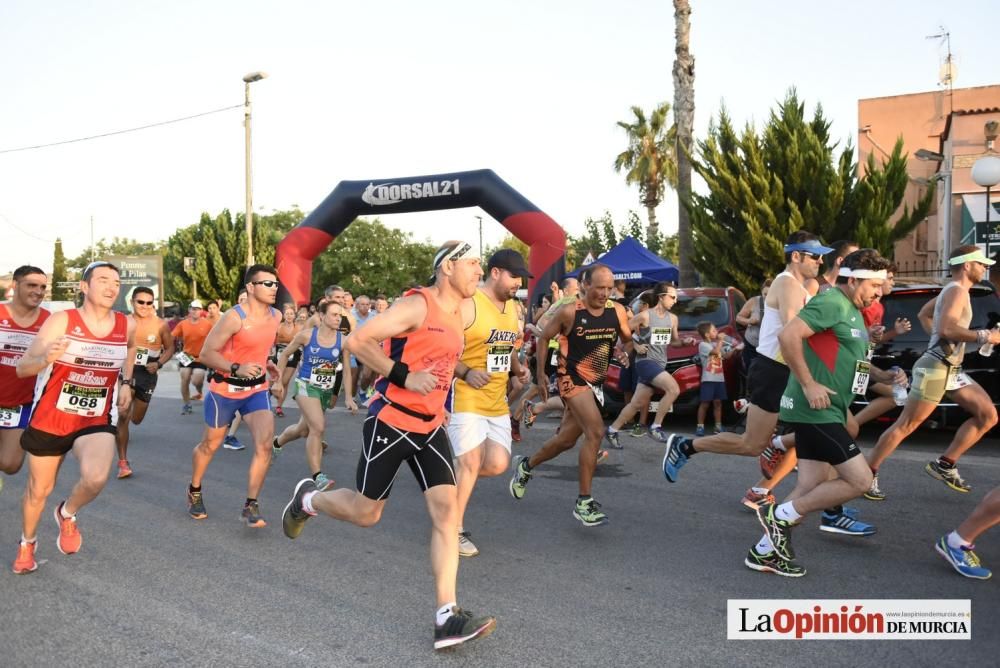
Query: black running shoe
[
  {"x": 772, "y": 563},
  {"x": 196, "y": 506},
  {"x": 460, "y": 627},
  {"x": 295, "y": 516},
  {"x": 779, "y": 531},
  {"x": 251, "y": 516}
]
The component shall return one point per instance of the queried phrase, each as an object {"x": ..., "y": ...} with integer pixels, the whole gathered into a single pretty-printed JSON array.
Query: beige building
[{"x": 950, "y": 131}]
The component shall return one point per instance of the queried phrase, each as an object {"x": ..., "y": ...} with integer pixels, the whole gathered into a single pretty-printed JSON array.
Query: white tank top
[{"x": 770, "y": 324}]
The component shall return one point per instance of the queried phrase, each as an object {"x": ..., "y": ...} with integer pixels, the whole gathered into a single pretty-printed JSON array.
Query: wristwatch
[
  {"x": 234, "y": 368},
  {"x": 127, "y": 381}
]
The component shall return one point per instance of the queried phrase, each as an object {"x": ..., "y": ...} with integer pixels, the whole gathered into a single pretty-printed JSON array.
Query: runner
[
  {"x": 831, "y": 265},
  {"x": 83, "y": 359},
  {"x": 414, "y": 347},
  {"x": 939, "y": 372},
  {"x": 154, "y": 343},
  {"x": 957, "y": 547},
  {"x": 479, "y": 428},
  {"x": 318, "y": 384},
  {"x": 768, "y": 373},
  {"x": 826, "y": 348},
  {"x": 286, "y": 332},
  {"x": 589, "y": 329},
  {"x": 214, "y": 311},
  {"x": 20, "y": 320},
  {"x": 657, "y": 327},
  {"x": 190, "y": 334},
  {"x": 237, "y": 350}
]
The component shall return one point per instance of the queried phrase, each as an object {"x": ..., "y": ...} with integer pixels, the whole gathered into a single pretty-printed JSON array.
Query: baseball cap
[
  {"x": 197, "y": 304},
  {"x": 511, "y": 260},
  {"x": 812, "y": 246}
]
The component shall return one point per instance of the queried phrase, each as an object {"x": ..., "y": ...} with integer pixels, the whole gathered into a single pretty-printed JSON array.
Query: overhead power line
[{"x": 120, "y": 132}]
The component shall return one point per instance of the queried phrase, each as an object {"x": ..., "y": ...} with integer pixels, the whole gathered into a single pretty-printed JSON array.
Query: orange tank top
[
  {"x": 250, "y": 345},
  {"x": 148, "y": 343},
  {"x": 435, "y": 346}
]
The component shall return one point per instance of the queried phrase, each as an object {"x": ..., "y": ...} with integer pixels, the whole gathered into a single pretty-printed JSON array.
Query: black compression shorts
[{"x": 384, "y": 450}]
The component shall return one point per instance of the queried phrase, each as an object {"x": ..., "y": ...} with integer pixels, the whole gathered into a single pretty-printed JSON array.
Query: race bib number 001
[
  {"x": 862, "y": 369},
  {"x": 498, "y": 359},
  {"x": 661, "y": 336},
  {"x": 142, "y": 356},
  {"x": 10, "y": 417},
  {"x": 81, "y": 400}
]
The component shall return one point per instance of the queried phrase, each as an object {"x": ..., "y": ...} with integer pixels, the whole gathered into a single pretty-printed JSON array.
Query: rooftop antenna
[{"x": 948, "y": 71}]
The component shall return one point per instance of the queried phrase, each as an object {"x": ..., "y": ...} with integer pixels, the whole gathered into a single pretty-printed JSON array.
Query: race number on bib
[
  {"x": 862, "y": 369},
  {"x": 10, "y": 417},
  {"x": 141, "y": 356},
  {"x": 498, "y": 359},
  {"x": 660, "y": 336},
  {"x": 957, "y": 379},
  {"x": 554, "y": 359},
  {"x": 82, "y": 400},
  {"x": 598, "y": 393},
  {"x": 184, "y": 359},
  {"x": 323, "y": 377}
]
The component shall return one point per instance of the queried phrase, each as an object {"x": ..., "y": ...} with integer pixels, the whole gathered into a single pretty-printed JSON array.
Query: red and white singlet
[{"x": 14, "y": 342}]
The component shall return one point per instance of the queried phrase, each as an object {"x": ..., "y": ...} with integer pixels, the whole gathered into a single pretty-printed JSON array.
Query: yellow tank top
[{"x": 491, "y": 342}]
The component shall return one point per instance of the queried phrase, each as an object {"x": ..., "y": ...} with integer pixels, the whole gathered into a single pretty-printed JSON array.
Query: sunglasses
[
  {"x": 143, "y": 303},
  {"x": 814, "y": 256},
  {"x": 266, "y": 284}
]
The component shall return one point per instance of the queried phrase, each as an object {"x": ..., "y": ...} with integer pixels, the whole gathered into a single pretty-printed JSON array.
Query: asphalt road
[{"x": 152, "y": 587}]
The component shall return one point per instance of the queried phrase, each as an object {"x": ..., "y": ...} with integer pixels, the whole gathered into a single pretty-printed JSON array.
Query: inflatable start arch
[{"x": 295, "y": 253}]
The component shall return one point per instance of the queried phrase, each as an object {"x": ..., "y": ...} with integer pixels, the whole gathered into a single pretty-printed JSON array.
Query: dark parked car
[
  {"x": 906, "y": 300},
  {"x": 716, "y": 305}
]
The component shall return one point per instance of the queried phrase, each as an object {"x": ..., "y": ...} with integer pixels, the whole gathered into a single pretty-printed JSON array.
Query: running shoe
[
  {"x": 527, "y": 414},
  {"x": 752, "y": 500},
  {"x": 69, "y": 540},
  {"x": 25, "y": 562},
  {"x": 772, "y": 563},
  {"x": 519, "y": 481},
  {"x": 589, "y": 512},
  {"x": 326, "y": 446},
  {"x": 186, "y": 409},
  {"x": 770, "y": 459},
  {"x": 124, "y": 470},
  {"x": 602, "y": 455},
  {"x": 638, "y": 431},
  {"x": 461, "y": 627},
  {"x": 659, "y": 434},
  {"x": 874, "y": 493},
  {"x": 673, "y": 458},
  {"x": 699, "y": 431},
  {"x": 232, "y": 443},
  {"x": 196, "y": 506},
  {"x": 845, "y": 524},
  {"x": 251, "y": 516},
  {"x": 949, "y": 477},
  {"x": 466, "y": 548},
  {"x": 294, "y": 517},
  {"x": 279, "y": 412},
  {"x": 963, "y": 560},
  {"x": 515, "y": 430},
  {"x": 779, "y": 531},
  {"x": 323, "y": 484},
  {"x": 612, "y": 438},
  {"x": 275, "y": 450}
]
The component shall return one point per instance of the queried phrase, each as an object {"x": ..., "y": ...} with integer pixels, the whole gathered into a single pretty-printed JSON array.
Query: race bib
[
  {"x": 660, "y": 336},
  {"x": 554, "y": 360},
  {"x": 957, "y": 379},
  {"x": 323, "y": 377},
  {"x": 862, "y": 369},
  {"x": 598, "y": 393},
  {"x": 498, "y": 359},
  {"x": 871, "y": 351},
  {"x": 10, "y": 417},
  {"x": 184, "y": 359},
  {"x": 141, "y": 356},
  {"x": 82, "y": 400},
  {"x": 237, "y": 389}
]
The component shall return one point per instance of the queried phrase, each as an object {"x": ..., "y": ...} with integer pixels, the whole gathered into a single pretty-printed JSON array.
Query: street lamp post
[
  {"x": 480, "y": 218},
  {"x": 945, "y": 175},
  {"x": 986, "y": 173},
  {"x": 247, "y": 80}
]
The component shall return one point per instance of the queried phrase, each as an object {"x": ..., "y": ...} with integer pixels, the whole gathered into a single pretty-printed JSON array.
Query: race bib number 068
[{"x": 80, "y": 400}]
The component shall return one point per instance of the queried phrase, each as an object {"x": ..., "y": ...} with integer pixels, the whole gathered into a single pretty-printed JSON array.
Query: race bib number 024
[{"x": 80, "y": 400}]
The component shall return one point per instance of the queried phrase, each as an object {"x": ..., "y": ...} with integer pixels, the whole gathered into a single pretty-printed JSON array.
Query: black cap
[{"x": 511, "y": 260}]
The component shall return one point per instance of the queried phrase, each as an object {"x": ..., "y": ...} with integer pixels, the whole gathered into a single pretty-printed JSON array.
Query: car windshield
[
  {"x": 692, "y": 310},
  {"x": 985, "y": 312}
]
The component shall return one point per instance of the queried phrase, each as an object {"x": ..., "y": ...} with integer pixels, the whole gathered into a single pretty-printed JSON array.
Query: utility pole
[{"x": 480, "y": 218}]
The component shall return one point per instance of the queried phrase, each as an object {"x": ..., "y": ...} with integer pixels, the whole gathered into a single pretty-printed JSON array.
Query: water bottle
[
  {"x": 898, "y": 390},
  {"x": 987, "y": 348}
]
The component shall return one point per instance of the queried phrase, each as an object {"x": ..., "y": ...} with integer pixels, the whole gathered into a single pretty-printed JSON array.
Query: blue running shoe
[
  {"x": 612, "y": 438},
  {"x": 658, "y": 434},
  {"x": 963, "y": 560},
  {"x": 845, "y": 524},
  {"x": 851, "y": 512},
  {"x": 699, "y": 431},
  {"x": 232, "y": 443},
  {"x": 673, "y": 458}
]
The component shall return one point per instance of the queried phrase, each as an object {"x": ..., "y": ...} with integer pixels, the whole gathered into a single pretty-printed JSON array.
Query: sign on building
[{"x": 139, "y": 270}]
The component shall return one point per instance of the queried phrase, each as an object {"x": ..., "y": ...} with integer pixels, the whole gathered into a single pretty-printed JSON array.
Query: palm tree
[
  {"x": 650, "y": 160},
  {"x": 684, "y": 124}
]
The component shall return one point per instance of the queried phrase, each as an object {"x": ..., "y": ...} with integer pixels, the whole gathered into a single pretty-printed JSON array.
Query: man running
[
  {"x": 826, "y": 349},
  {"x": 479, "y": 428},
  {"x": 237, "y": 350},
  {"x": 589, "y": 328},
  {"x": 939, "y": 371},
  {"x": 83, "y": 359},
  {"x": 20, "y": 320},
  {"x": 191, "y": 333},
  {"x": 414, "y": 347},
  {"x": 657, "y": 327},
  {"x": 321, "y": 374},
  {"x": 768, "y": 373},
  {"x": 154, "y": 344}
]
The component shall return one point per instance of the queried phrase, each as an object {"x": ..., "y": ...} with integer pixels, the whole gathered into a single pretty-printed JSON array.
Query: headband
[
  {"x": 974, "y": 256},
  {"x": 863, "y": 273},
  {"x": 462, "y": 249}
]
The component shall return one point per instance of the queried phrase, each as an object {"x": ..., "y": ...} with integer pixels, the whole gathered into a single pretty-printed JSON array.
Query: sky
[{"x": 373, "y": 91}]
